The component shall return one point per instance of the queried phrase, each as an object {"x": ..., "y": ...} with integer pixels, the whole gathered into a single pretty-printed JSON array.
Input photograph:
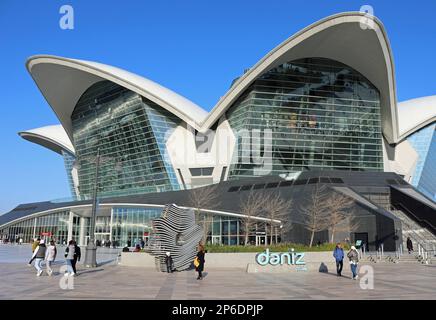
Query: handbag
[{"x": 196, "y": 262}]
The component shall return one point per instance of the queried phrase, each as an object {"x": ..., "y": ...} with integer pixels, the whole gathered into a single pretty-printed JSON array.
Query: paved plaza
[{"x": 112, "y": 281}]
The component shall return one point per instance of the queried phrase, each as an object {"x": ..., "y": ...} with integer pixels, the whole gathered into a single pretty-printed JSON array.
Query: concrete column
[
  {"x": 70, "y": 227},
  {"x": 110, "y": 226},
  {"x": 34, "y": 228},
  {"x": 82, "y": 232}
]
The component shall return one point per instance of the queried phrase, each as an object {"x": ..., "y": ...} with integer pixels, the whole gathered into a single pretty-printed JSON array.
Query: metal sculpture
[{"x": 175, "y": 232}]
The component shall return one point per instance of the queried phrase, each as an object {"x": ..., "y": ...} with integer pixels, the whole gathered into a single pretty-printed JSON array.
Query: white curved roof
[
  {"x": 62, "y": 81},
  {"x": 415, "y": 114},
  {"x": 341, "y": 38},
  {"x": 52, "y": 137}
]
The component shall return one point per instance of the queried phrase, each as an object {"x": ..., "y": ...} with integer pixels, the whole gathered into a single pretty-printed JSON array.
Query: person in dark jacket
[
  {"x": 169, "y": 262},
  {"x": 77, "y": 256},
  {"x": 409, "y": 245},
  {"x": 338, "y": 253},
  {"x": 200, "y": 256},
  {"x": 39, "y": 256}
]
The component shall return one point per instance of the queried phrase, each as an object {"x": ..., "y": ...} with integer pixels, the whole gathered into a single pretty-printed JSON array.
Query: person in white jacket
[{"x": 50, "y": 256}]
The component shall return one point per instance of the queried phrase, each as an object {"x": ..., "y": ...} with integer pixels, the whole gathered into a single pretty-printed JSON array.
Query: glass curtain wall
[
  {"x": 424, "y": 142},
  {"x": 130, "y": 132},
  {"x": 51, "y": 227},
  {"x": 321, "y": 114},
  {"x": 69, "y": 160},
  {"x": 130, "y": 225}
]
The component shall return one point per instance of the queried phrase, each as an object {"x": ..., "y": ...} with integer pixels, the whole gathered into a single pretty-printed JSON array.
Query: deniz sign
[{"x": 290, "y": 258}]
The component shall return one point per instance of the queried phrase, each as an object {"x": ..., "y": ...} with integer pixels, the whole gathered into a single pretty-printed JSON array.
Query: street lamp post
[{"x": 91, "y": 248}]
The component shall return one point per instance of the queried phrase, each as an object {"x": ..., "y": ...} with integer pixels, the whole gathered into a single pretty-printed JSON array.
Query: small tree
[
  {"x": 204, "y": 198},
  {"x": 251, "y": 207},
  {"x": 276, "y": 208},
  {"x": 340, "y": 214},
  {"x": 315, "y": 214}
]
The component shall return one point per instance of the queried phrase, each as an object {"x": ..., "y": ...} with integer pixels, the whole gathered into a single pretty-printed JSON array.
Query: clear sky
[{"x": 195, "y": 48}]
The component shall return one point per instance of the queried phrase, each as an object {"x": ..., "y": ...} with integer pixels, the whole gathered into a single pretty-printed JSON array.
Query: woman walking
[
  {"x": 200, "y": 258},
  {"x": 50, "y": 256},
  {"x": 353, "y": 255}
]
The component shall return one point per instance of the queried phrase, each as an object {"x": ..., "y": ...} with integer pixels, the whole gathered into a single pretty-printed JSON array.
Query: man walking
[
  {"x": 169, "y": 262},
  {"x": 409, "y": 245},
  {"x": 77, "y": 256},
  {"x": 338, "y": 253},
  {"x": 39, "y": 256}
]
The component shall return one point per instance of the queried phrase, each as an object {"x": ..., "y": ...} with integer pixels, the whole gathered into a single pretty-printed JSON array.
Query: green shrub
[{"x": 281, "y": 247}]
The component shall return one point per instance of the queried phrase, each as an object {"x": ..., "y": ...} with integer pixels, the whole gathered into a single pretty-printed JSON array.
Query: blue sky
[{"x": 195, "y": 48}]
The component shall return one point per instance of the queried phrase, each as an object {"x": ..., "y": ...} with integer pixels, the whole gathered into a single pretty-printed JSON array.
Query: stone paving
[{"x": 112, "y": 281}]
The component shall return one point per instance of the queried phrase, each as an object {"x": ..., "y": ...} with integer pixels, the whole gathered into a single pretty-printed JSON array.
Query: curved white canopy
[
  {"x": 62, "y": 81},
  {"x": 415, "y": 114},
  {"x": 339, "y": 37},
  {"x": 350, "y": 38},
  {"x": 52, "y": 137}
]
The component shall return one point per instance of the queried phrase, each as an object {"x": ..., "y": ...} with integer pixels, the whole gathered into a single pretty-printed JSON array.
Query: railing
[
  {"x": 416, "y": 236},
  {"x": 426, "y": 249},
  {"x": 421, "y": 222}
]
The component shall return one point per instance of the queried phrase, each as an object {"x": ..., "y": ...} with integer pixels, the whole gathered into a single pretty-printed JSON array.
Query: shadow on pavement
[
  {"x": 86, "y": 271},
  {"x": 334, "y": 274}
]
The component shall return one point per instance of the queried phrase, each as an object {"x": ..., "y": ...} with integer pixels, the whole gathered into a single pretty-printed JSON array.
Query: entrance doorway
[{"x": 261, "y": 239}]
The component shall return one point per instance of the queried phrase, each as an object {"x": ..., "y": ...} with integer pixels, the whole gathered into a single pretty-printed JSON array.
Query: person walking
[
  {"x": 77, "y": 256},
  {"x": 169, "y": 262},
  {"x": 200, "y": 258},
  {"x": 69, "y": 257},
  {"x": 338, "y": 253},
  {"x": 409, "y": 245},
  {"x": 353, "y": 255},
  {"x": 50, "y": 256},
  {"x": 39, "y": 256}
]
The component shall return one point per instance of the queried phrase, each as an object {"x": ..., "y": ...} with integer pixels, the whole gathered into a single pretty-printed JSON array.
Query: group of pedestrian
[
  {"x": 198, "y": 261},
  {"x": 353, "y": 257},
  {"x": 48, "y": 253}
]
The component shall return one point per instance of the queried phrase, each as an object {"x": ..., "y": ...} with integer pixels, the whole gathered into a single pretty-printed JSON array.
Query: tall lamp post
[{"x": 91, "y": 248}]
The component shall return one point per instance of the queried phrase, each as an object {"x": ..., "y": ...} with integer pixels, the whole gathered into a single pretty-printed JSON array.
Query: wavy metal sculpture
[{"x": 175, "y": 232}]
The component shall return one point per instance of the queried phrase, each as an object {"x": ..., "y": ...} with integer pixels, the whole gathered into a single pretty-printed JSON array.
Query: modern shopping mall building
[{"x": 319, "y": 109}]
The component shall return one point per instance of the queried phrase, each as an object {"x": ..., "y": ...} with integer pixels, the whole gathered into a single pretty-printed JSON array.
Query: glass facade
[
  {"x": 52, "y": 226},
  {"x": 69, "y": 160},
  {"x": 127, "y": 225},
  {"x": 130, "y": 132},
  {"x": 424, "y": 177},
  {"x": 130, "y": 225},
  {"x": 320, "y": 114}
]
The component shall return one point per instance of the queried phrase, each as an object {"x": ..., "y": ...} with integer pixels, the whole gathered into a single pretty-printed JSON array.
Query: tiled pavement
[{"x": 110, "y": 281}]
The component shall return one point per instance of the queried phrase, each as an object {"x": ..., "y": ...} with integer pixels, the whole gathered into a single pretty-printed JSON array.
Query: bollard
[
  {"x": 401, "y": 249},
  {"x": 382, "y": 253}
]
